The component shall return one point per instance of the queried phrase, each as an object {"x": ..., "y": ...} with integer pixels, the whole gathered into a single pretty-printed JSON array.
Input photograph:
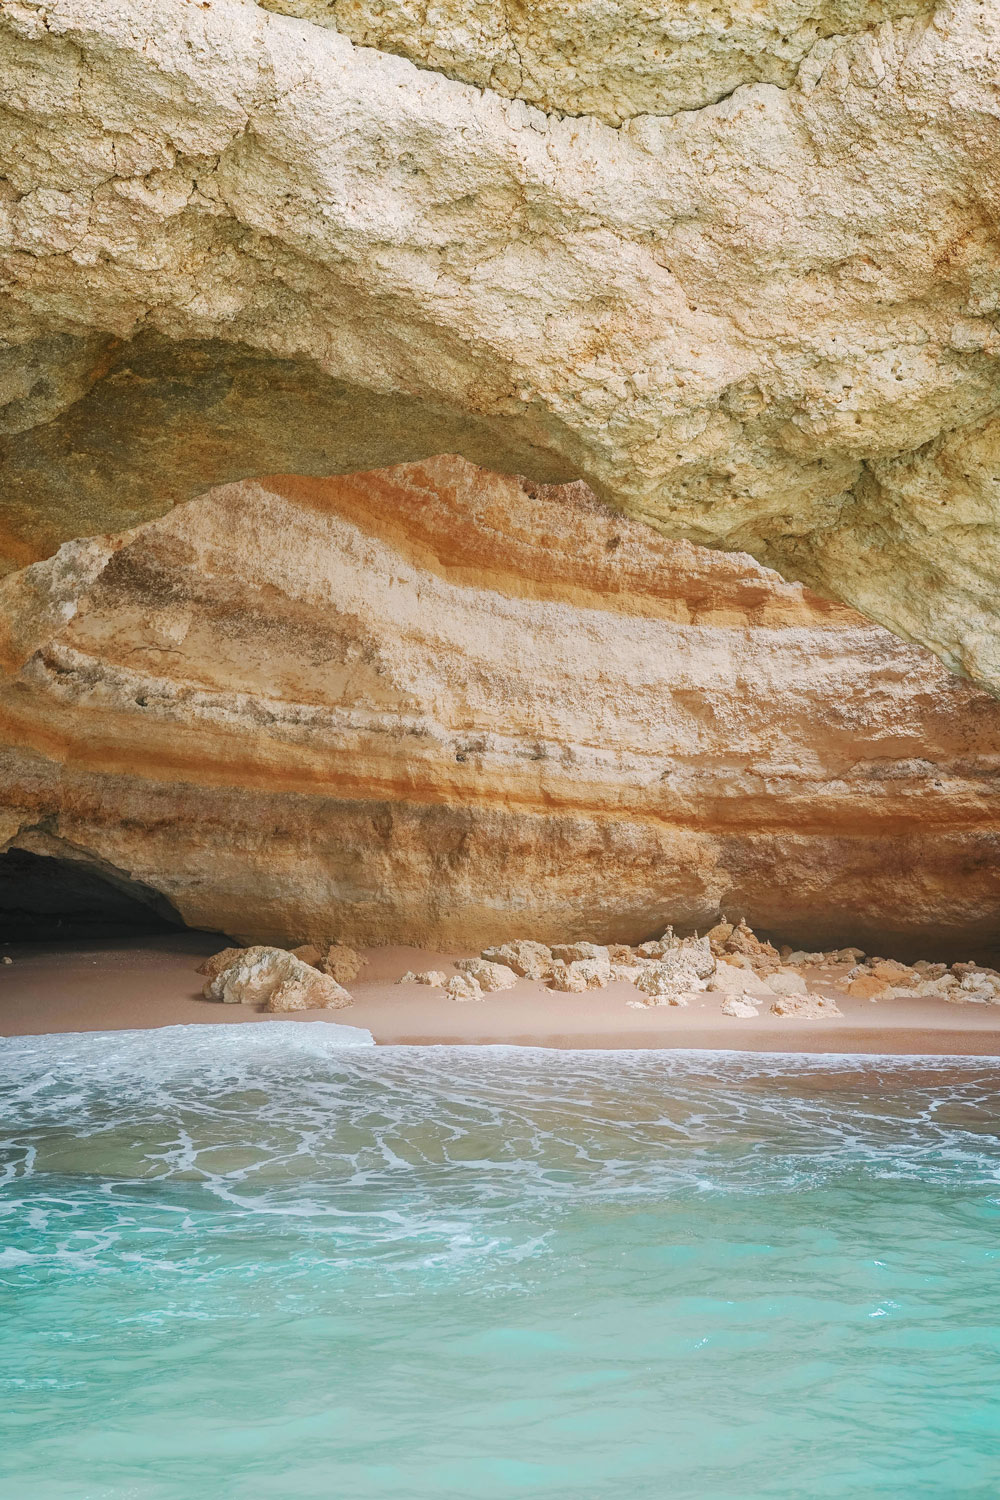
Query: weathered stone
[
  {"x": 464, "y": 987},
  {"x": 668, "y": 983},
  {"x": 305, "y": 994},
  {"x": 625, "y": 973},
  {"x": 427, "y": 976},
  {"x": 276, "y": 979},
  {"x": 580, "y": 975},
  {"x": 867, "y": 987},
  {"x": 234, "y": 243},
  {"x": 662, "y": 996},
  {"x": 897, "y": 974},
  {"x": 342, "y": 963},
  {"x": 697, "y": 954},
  {"x": 787, "y": 982},
  {"x": 529, "y": 959},
  {"x": 718, "y": 936},
  {"x": 609, "y": 60},
  {"x": 743, "y": 940},
  {"x": 310, "y": 955},
  {"x": 489, "y": 976},
  {"x": 972, "y": 994},
  {"x": 730, "y": 980},
  {"x": 930, "y": 971},
  {"x": 585, "y": 962},
  {"x": 979, "y": 982},
  {"x": 572, "y": 952},
  {"x": 621, "y": 953},
  {"x": 740, "y": 1007},
  {"x": 210, "y": 967},
  {"x": 938, "y": 987},
  {"x": 806, "y": 1007}
]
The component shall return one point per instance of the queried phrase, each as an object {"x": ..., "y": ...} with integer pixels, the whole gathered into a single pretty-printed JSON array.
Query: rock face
[
  {"x": 596, "y": 57},
  {"x": 440, "y": 706},
  {"x": 235, "y": 243}
]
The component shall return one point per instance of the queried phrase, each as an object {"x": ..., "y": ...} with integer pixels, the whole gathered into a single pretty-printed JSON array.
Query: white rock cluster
[{"x": 730, "y": 962}]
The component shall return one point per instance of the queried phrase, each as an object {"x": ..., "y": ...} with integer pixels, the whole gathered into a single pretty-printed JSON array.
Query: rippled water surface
[{"x": 240, "y": 1262}]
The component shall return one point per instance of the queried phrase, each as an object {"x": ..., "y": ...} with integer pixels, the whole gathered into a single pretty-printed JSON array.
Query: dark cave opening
[{"x": 45, "y": 898}]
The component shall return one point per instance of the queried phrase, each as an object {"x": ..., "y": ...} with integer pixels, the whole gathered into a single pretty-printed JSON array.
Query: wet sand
[{"x": 126, "y": 984}]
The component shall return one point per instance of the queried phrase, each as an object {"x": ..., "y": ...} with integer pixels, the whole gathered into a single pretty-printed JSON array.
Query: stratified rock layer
[
  {"x": 234, "y": 242},
  {"x": 438, "y": 706}
]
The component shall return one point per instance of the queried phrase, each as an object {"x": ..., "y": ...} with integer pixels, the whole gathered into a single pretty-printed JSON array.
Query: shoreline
[{"x": 130, "y": 984}]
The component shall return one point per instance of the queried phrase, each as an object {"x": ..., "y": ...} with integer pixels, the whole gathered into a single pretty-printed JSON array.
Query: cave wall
[{"x": 436, "y": 705}]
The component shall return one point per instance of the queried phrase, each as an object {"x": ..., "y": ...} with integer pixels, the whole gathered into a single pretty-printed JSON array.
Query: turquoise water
[{"x": 238, "y": 1262}]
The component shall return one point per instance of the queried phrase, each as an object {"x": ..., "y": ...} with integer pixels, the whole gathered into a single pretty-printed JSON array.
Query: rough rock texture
[
  {"x": 740, "y": 1007},
  {"x": 526, "y": 958},
  {"x": 463, "y": 987},
  {"x": 599, "y": 57},
  {"x": 489, "y": 976},
  {"x": 342, "y": 963},
  {"x": 234, "y": 242},
  {"x": 806, "y": 1007},
  {"x": 436, "y": 706},
  {"x": 274, "y": 978}
]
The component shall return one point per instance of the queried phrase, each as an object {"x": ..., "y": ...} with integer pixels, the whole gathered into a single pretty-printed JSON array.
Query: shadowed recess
[{"x": 44, "y": 897}]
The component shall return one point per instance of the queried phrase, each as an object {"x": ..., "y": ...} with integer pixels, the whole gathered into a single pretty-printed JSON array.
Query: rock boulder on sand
[
  {"x": 976, "y": 987},
  {"x": 489, "y": 976},
  {"x": 580, "y": 966},
  {"x": 731, "y": 980},
  {"x": 867, "y": 987},
  {"x": 571, "y": 953},
  {"x": 900, "y": 976},
  {"x": 433, "y": 977},
  {"x": 806, "y": 1007},
  {"x": 342, "y": 963},
  {"x": 697, "y": 954},
  {"x": 579, "y": 976},
  {"x": 464, "y": 987},
  {"x": 787, "y": 982},
  {"x": 210, "y": 967},
  {"x": 680, "y": 971},
  {"x": 529, "y": 959},
  {"x": 740, "y": 1006},
  {"x": 277, "y": 979},
  {"x": 668, "y": 982}
]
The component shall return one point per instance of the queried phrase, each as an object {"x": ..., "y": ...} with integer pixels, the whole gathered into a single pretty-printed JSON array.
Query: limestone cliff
[
  {"x": 734, "y": 264},
  {"x": 435, "y": 705}
]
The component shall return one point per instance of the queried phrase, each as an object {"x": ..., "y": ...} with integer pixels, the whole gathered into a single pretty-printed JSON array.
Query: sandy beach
[{"x": 117, "y": 985}]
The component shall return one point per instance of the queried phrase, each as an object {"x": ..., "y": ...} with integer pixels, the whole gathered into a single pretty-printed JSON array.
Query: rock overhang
[{"x": 766, "y": 323}]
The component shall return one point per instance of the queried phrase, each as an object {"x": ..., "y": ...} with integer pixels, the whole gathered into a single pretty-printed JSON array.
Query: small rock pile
[
  {"x": 667, "y": 970},
  {"x": 958, "y": 984}
]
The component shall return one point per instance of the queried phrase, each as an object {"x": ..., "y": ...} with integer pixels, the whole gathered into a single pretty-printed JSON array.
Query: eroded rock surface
[
  {"x": 603, "y": 57},
  {"x": 432, "y": 705},
  {"x": 234, "y": 242},
  {"x": 271, "y": 977}
]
